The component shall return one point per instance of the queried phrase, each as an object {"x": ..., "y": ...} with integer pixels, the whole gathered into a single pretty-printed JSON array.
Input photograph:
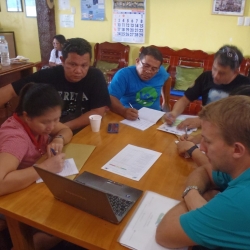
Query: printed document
[
  {"x": 148, "y": 117},
  {"x": 172, "y": 129},
  {"x": 139, "y": 233},
  {"x": 69, "y": 168},
  {"x": 132, "y": 162}
]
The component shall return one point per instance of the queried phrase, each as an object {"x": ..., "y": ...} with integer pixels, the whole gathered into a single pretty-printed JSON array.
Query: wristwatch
[
  {"x": 188, "y": 189},
  {"x": 190, "y": 151}
]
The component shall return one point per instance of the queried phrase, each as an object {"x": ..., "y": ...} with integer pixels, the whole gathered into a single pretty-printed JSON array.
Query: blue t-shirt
[
  {"x": 127, "y": 87},
  {"x": 224, "y": 222}
]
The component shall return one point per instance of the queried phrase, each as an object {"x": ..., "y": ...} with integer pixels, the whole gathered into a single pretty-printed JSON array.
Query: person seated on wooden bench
[
  {"x": 214, "y": 212},
  {"x": 30, "y": 133},
  {"x": 138, "y": 86},
  {"x": 212, "y": 85},
  {"x": 83, "y": 88}
]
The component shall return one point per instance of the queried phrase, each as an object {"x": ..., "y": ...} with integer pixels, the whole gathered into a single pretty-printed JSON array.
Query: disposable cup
[{"x": 95, "y": 122}]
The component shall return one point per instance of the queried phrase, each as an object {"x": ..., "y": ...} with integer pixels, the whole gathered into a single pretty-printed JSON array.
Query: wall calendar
[{"x": 129, "y": 21}]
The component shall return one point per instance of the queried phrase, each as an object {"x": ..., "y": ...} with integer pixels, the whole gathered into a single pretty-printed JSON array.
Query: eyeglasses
[
  {"x": 231, "y": 54},
  {"x": 147, "y": 67}
]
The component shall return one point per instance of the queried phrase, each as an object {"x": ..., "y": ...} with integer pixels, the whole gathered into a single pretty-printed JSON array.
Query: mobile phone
[{"x": 113, "y": 127}]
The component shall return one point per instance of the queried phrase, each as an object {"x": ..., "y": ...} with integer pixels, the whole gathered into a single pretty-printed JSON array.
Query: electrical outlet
[
  {"x": 240, "y": 21},
  {"x": 73, "y": 10},
  {"x": 247, "y": 21}
]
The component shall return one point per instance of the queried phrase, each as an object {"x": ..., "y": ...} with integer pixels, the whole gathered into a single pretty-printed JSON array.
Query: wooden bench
[{"x": 190, "y": 58}]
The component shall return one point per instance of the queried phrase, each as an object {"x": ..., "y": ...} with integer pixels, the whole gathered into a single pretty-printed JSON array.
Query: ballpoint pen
[
  {"x": 53, "y": 151},
  {"x": 186, "y": 134},
  {"x": 132, "y": 108}
]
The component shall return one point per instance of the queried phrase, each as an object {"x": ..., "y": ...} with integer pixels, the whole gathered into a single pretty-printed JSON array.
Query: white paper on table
[
  {"x": 69, "y": 168},
  {"x": 173, "y": 128},
  {"x": 140, "y": 124},
  {"x": 132, "y": 162},
  {"x": 139, "y": 233},
  {"x": 148, "y": 117}
]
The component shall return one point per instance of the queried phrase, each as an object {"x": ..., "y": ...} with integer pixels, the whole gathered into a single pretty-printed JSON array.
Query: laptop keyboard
[{"x": 119, "y": 205}]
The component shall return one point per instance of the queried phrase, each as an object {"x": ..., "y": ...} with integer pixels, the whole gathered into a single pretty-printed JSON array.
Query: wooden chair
[
  {"x": 39, "y": 65},
  {"x": 110, "y": 57}
]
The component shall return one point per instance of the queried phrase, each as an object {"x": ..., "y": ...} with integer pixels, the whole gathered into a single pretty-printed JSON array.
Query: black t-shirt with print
[
  {"x": 79, "y": 97},
  {"x": 209, "y": 91}
]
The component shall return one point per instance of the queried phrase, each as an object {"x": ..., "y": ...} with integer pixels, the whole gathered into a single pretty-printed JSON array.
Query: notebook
[{"x": 93, "y": 194}]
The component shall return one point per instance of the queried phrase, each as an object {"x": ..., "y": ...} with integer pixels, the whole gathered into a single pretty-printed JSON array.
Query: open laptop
[{"x": 93, "y": 194}]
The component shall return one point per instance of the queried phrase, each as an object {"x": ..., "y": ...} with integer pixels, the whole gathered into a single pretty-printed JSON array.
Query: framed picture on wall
[
  {"x": 30, "y": 8},
  {"x": 228, "y": 7},
  {"x": 14, "y": 5}
]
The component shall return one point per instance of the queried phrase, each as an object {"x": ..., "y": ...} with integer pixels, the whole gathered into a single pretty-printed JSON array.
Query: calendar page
[{"x": 129, "y": 21}]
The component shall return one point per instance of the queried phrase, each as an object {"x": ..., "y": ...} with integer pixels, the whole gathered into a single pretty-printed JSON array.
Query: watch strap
[
  {"x": 190, "y": 151},
  {"x": 60, "y": 136},
  {"x": 188, "y": 189}
]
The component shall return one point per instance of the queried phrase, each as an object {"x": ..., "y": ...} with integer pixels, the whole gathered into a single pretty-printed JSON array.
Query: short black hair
[
  {"x": 229, "y": 55},
  {"x": 79, "y": 46},
  {"x": 37, "y": 98},
  {"x": 151, "y": 51}
]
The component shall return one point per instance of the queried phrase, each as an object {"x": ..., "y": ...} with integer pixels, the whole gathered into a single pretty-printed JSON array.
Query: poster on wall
[
  {"x": 228, "y": 7},
  {"x": 92, "y": 10},
  {"x": 67, "y": 21},
  {"x": 129, "y": 21}
]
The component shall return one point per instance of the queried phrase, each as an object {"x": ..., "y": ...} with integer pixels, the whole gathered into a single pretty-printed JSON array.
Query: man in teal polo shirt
[{"x": 214, "y": 212}]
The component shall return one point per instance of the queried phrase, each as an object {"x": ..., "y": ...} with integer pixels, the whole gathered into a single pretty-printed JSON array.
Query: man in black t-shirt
[
  {"x": 212, "y": 85},
  {"x": 82, "y": 87}
]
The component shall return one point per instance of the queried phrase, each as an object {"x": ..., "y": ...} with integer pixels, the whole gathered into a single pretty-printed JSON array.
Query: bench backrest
[{"x": 192, "y": 58}]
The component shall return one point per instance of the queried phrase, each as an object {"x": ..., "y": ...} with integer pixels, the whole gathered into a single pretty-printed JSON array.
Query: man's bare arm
[
  {"x": 170, "y": 227},
  {"x": 83, "y": 120},
  {"x": 6, "y": 93},
  {"x": 178, "y": 108},
  {"x": 199, "y": 158},
  {"x": 202, "y": 178},
  {"x": 169, "y": 232},
  {"x": 118, "y": 108}
]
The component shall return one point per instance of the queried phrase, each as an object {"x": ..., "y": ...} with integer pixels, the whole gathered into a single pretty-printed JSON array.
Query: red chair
[{"x": 110, "y": 57}]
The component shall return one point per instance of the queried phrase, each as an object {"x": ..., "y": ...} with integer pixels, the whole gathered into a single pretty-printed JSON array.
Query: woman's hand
[
  {"x": 53, "y": 164},
  {"x": 57, "y": 146}
]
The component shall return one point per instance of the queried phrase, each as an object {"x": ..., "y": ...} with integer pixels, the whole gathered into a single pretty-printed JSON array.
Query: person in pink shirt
[{"x": 32, "y": 131}]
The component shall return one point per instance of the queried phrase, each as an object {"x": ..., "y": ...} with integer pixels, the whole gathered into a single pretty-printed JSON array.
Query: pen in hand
[
  {"x": 186, "y": 134},
  {"x": 132, "y": 108},
  {"x": 53, "y": 151}
]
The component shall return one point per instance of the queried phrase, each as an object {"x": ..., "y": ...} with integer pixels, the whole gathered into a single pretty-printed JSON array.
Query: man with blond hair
[{"x": 214, "y": 212}]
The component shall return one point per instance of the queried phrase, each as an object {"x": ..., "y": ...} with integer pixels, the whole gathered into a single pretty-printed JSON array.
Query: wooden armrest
[{"x": 166, "y": 93}]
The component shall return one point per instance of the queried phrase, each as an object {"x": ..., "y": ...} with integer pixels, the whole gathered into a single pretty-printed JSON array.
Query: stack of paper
[
  {"x": 69, "y": 168},
  {"x": 79, "y": 154},
  {"x": 139, "y": 233},
  {"x": 173, "y": 128},
  {"x": 132, "y": 162},
  {"x": 148, "y": 117}
]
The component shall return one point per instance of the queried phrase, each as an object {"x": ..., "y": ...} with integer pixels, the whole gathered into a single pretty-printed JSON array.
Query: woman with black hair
[
  {"x": 56, "y": 53},
  {"x": 32, "y": 131}
]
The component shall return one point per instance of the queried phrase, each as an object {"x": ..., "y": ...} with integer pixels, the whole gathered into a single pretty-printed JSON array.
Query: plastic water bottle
[{"x": 4, "y": 50}]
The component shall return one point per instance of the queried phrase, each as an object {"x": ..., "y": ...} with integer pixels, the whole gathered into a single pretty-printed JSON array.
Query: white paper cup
[{"x": 95, "y": 122}]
